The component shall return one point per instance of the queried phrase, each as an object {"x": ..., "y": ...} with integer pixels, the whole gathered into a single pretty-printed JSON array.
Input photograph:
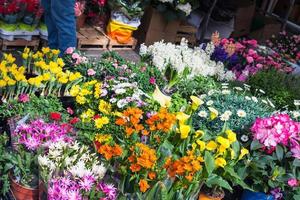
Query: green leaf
[
  {"x": 296, "y": 163},
  {"x": 279, "y": 152},
  {"x": 209, "y": 162},
  {"x": 215, "y": 180},
  {"x": 255, "y": 145}
]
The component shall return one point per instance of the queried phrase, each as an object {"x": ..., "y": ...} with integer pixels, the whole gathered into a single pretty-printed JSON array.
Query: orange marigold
[
  {"x": 152, "y": 175},
  {"x": 110, "y": 151}
]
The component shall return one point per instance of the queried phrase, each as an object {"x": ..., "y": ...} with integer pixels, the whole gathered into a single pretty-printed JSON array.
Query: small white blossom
[
  {"x": 210, "y": 102},
  {"x": 244, "y": 138},
  {"x": 296, "y": 114},
  {"x": 202, "y": 114},
  {"x": 241, "y": 113},
  {"x": 224, "y": 117},
  {"x": 226, "y": 92},
  {"x": 297, "y": 102},
  {"x": 238, "y": 88},
  {"x": 247, "y": 98},
  {"x": 99, "y": 170},
  {"x": 254, "y": 99},
  {"x": 120, "y": 91}
]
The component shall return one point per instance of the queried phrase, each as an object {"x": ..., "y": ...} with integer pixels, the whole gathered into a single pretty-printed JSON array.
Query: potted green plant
[{"x": 273, "y": 167}]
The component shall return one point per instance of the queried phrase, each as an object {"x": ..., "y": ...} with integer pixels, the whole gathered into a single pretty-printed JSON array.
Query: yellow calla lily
[
  {"x": 211, "y": 146},
  {"x": 231, "y": 136},
  {"x": 163, "y": 100},
  {"x": 196, "y": 102},
  {"x": 182, "y": 117},
  {"x": 223, "y": 141},
  {"x": 184, "y": 131},
  {"x": 244, "y": 152},
  {"x": 213, "y": 113},
  {"x": 199, "y": 133},
  {"x": 201, "y": 144},
  {"x": 220, "y": 162}
]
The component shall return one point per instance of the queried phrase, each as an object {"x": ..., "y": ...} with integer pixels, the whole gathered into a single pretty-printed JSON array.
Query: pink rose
[
  {"x": 259, "y": 65},
  {"x": 91, "y": 72},
  {"x": 70, "y": 50},
  {"x": 293, "y": 182},
  {"x": 249, "y": 59}
]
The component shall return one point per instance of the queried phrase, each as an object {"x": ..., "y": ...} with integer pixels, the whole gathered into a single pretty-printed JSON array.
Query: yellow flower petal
[
  {"x": 211, "y": 146},
  {"x": 231, "y": 136},
  {"x": 223, "y": 141},
  {"x": 220, "y": 162},
  {"x": 184, "y": 131},
  {"x": 244, "y": 152}
]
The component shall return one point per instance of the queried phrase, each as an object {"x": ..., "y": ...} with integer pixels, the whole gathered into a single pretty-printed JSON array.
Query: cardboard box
[
  {"x": 154, "y": 27},
  {"x": 243, "y": 18}
]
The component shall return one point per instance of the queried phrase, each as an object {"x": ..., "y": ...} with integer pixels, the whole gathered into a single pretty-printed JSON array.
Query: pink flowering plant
[
  {"x": 287, "y": 45},
  {"x": 72, "y": 171},
  {"x": 245, "y": 58},
  {"x": 274, "y": 166}
]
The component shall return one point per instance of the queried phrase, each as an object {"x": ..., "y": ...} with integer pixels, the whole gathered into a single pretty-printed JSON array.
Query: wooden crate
[
  {"x": 20, "y": 43},
  {"x": 114, "y": 45},
  {"x": 188, "y": 32},
  {"x": 91, "y": 39}
]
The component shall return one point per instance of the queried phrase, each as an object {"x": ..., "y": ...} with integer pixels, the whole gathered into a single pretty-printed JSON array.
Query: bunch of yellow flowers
[{"x": 87, "y": 92}]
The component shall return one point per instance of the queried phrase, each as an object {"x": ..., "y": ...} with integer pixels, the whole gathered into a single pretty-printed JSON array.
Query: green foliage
[
  {"x": 197, "y": 86},
  {"x": 36, "y": 107},
  {"x": 282, "y": 88},
  {"x": 4, "y": 165}
]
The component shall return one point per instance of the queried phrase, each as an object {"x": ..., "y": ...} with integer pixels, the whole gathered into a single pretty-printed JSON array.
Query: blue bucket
[{"x": 249, "y": 195}]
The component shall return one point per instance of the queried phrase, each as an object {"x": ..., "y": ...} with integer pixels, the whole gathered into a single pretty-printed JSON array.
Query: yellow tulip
[
  {"x": 196, "y": 102},
  {"x": 55, "y": 51},
  {"x": 244, "y": 152},
  {"x": 163, "y": 100},
  {"x": 220, "y": 162},
  {"x": 184, "y": 131},
  {"x": 45, "y": 50},
  {"x": 25, "y": 56},
  {"x": 213, "y": 113},
  {"x": 201, "y": 144},
  {"x": 231, "y": 136},
  {"x": 2, "y": 83},
  {"x": 223, "y": 141},
  {"x": 211, "y": 146}
]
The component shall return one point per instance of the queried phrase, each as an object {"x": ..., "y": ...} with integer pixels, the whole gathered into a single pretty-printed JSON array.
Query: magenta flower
[
  {"x": 249, "y": 59},
  {"x": 108, "y": 189},
  {"x": 23, "y": 98},
  {"x": 152, "y": 80},
  {"x": 293, "y": 182},
  {"x": 277, "y": 193},
  {"x": 87, "y": 183}
]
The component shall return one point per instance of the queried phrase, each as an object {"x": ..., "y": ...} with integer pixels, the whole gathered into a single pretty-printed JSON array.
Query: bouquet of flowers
[
  {"x": 70, "y": 170},
  {"x": 9, "y": 11},
  {"x": 274, "y": 166}
]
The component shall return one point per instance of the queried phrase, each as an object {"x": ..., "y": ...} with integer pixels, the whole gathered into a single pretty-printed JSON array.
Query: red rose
[
  {"x": 55, "y": 116},
  {"x": 74, "y": 120}
]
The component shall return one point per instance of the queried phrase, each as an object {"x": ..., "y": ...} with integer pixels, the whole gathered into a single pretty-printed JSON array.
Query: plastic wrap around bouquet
[{"x": 120, "y": 27}]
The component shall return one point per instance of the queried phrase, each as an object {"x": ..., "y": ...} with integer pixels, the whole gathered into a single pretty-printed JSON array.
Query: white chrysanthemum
[
  {"x": 43, "y": 161},
  {"x": 202, "y": 114},
  {"x": 79, "y": 170},
  {"x": 99, "y": 170},
  {"x": 186, "y": 8},
  {"x": 241, "y": 113}
]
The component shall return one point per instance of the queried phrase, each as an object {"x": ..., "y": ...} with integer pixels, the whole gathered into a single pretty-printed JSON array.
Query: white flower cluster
[
  {"x": 186, "y": 8},
  {"x": 166, "y": 1},
  {"x": 197, "y": 60},
  {"x": 78, "y": 161}
]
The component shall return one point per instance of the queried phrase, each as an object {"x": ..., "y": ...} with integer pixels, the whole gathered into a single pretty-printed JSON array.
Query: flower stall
[{"x": 184, "y": 123}]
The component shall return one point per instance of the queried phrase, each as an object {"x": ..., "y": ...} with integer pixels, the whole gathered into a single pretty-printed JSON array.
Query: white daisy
[
  {"x": 210, "y": 102},
  {"x": 224, "y": 117},
  {"x": 202, "y": 114},
  {"x": 241, "y": 113}
]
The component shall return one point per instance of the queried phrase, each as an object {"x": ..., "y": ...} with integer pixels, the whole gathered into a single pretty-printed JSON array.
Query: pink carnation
[
  {"x": 293, "y": 182},
  {"x": 70, "y": 50},
  {"x": 91, "y": 72}
]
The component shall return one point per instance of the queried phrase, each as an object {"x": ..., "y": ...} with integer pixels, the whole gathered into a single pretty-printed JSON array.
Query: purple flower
[
  {"x": 277, "y": 193},
  {"x": 109, "y": 190},
  {"x": 293, "y": 182},
  {"x": 87, "y": 183}
]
